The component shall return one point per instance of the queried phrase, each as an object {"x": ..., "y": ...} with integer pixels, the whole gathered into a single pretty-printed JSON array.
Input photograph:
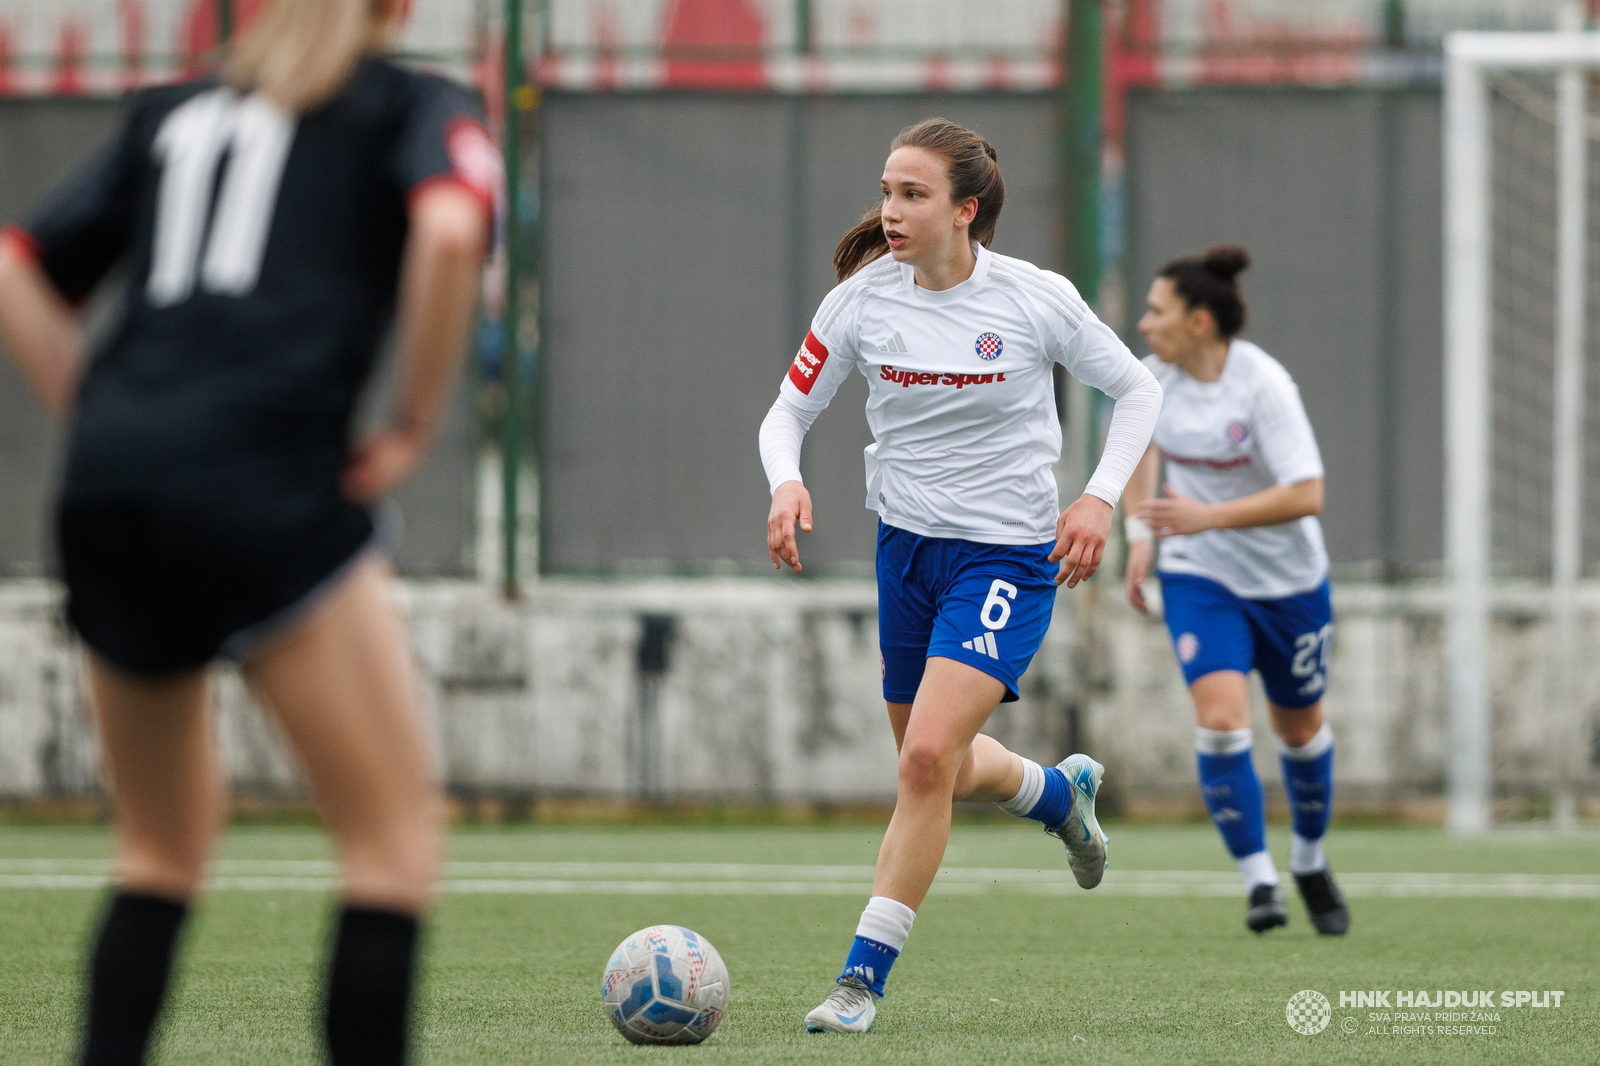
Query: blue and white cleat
[
  {"x": 1086, "y": 844},
  {"x": 849, "y": 1008}
]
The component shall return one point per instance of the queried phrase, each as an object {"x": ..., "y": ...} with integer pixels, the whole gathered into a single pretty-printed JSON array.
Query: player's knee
[
  {"x": 1221, "y": 714},
  {"x": 1296, "y": 729},
  {"x": 928, "y": 766}
]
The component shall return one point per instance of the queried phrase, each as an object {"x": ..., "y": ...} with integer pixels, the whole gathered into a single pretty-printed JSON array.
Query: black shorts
[{"x": 163, "y": 579}]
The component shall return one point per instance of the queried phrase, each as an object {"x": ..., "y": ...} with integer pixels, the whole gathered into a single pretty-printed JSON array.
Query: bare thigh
[
  {"x": 164, "y": 776},
  {"x": 987, "y": 766},
  {"x": 343, "y": 688}
]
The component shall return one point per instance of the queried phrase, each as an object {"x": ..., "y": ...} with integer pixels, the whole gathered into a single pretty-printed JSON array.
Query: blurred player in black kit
[{"x": 272, "y": 222}]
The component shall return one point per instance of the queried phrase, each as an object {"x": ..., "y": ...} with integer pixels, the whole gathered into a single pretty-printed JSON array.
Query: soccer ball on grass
[{"x": 665, "y": 985}]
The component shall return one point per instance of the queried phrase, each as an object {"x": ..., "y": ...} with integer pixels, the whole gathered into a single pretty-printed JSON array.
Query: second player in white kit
[{"x": 1244, "y": 573}]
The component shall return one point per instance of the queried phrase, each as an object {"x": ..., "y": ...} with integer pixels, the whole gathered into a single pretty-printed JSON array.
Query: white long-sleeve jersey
[{"x": 961, "y": 399}]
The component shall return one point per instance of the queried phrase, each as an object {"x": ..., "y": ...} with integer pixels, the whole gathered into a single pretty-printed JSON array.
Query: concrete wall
[{"x": 769, "y": 692}]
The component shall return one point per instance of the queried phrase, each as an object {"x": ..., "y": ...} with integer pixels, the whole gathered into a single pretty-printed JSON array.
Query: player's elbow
[
  {"x": 15, "y": 263},
  {"x": 1310, "y": 495},
  {"x": 449, "y": 223}
]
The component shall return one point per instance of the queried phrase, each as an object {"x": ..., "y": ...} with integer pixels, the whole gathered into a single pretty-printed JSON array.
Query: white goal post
[{"x": 1472, "y": 63}]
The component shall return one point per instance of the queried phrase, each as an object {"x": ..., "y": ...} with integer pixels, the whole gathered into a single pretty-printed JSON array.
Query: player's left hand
[
  {"x": 379, "y": 464},
  {"x": 1174, "y": 515},
  {"x": 1081, "y": 534}
]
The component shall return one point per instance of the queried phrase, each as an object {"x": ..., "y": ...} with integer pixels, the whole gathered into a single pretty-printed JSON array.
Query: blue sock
[
  {"x": 1232, "y": 793},
  {"x": 1055, "y": 803},
  {"x": 1045, "y": 795},
  {"x": 870, "y": 962},
  {"x": 1308, "y": 779}
]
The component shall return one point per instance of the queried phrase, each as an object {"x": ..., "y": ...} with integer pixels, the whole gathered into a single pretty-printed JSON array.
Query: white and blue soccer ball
[{"x": 665, "y": 985}]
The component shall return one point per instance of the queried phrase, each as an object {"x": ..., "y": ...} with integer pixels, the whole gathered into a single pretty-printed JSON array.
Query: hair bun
[{"x": 1225, "y": 261}]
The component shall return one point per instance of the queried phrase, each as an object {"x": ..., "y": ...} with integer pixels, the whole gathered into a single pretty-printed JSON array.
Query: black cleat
[
  {"x": 1323, "y": 902},
  {"x": 1266, "y": 909}
]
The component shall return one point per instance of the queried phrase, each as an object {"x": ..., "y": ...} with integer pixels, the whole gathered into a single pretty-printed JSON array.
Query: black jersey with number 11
[{"x": 262, "y": 255}]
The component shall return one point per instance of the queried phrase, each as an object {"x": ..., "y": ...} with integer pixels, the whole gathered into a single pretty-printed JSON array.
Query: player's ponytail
[
  {"x": 301, "y": 52},
  {"x": 1211, "y": 280},
  {"x": 974, "y": 171}
]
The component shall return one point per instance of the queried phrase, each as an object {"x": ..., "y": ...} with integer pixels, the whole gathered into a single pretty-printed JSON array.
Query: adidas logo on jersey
[
  {"x": 983, "y": 645},
  {"x": 896, "y": 344}
]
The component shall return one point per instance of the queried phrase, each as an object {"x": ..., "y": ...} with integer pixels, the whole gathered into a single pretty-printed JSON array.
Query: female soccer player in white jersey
[
  {"x": 957, "y": 345},
  {"x": 1244, "y": 574},
  {"x": 213, "y": 505}
]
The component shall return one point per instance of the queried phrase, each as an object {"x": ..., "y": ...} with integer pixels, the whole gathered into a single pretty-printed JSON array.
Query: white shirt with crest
[
  {"x": 1243, "y": 433},
  {"x": 961, "y": 398}
]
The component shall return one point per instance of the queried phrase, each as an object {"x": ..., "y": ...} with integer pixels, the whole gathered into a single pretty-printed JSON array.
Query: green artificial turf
[{"x": 999, "y": 976}]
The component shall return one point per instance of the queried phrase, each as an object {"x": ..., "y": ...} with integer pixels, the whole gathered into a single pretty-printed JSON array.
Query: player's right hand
[
  {"x": 791, "y": 504},
  {"x": 381, "y": 463},
  {"x": 1141, "y": 553}
]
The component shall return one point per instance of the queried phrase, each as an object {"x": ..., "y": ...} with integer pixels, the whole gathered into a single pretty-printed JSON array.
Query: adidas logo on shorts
[{"x": 983, "y": 645}]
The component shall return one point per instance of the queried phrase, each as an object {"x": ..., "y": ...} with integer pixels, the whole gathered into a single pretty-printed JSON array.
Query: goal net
[{"x": 1520, "y": 324}]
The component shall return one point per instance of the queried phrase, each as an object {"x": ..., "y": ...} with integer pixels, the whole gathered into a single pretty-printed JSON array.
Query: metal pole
[
  {"x": 804, "y": 40},
  {"x": 1466, "y": 443},
  {"x": 1394, "y": 24},
  {"x": 1572, "y": 228},
  {"x": 1081, "y": 146},
  {"x": 224, "y": 21},
  {"x": 1078, "y": 158},
  {"x": 511, "y": 353}
]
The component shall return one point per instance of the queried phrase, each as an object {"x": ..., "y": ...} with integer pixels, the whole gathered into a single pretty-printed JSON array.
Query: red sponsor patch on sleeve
[
  {"x": 475, "y": 159},
  {"x": 21, "y": 240},
  {"x": 808, "y": 363}
]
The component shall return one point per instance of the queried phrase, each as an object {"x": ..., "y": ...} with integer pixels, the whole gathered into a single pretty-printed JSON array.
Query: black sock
[
  {"x": 368, "y": 1016},
  {"x": 128, "y": 977}
]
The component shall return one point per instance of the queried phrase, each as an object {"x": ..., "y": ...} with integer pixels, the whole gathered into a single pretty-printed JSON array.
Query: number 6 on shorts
[{"x": 995, "y": 600}]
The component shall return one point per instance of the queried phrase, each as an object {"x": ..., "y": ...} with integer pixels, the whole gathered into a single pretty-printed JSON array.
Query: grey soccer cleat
[
  {"x": 1266, "y": 909},
  {"x": 1324, "y": 903},
  {"x": 849, "y": 1008},
  {"x": 1086, "y": 844}
]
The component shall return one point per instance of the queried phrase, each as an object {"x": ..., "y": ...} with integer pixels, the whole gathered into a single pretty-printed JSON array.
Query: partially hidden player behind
[
  {"x": 269, "y": 222},
  {"x": 1243, "y": 570},
  {"x": 957, "y": 345}
]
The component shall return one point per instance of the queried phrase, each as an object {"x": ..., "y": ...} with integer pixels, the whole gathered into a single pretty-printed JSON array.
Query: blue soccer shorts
[
  {"x": 1288, "y": 640},
  {"x": 986, "y": 605}
]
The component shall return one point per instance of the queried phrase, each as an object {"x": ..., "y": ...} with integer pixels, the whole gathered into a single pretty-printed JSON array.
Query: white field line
[{"x": 774, "y": 879}]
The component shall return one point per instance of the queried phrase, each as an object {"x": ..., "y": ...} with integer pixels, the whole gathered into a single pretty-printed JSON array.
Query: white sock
[
  {"x": 1257, "y": 869},
  {"x": 1027, "y": 796},
  {"x": 888, "y": 921},
  {"x": 1306, "y": 856},
  {"x": 1221, "y": 741}
]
